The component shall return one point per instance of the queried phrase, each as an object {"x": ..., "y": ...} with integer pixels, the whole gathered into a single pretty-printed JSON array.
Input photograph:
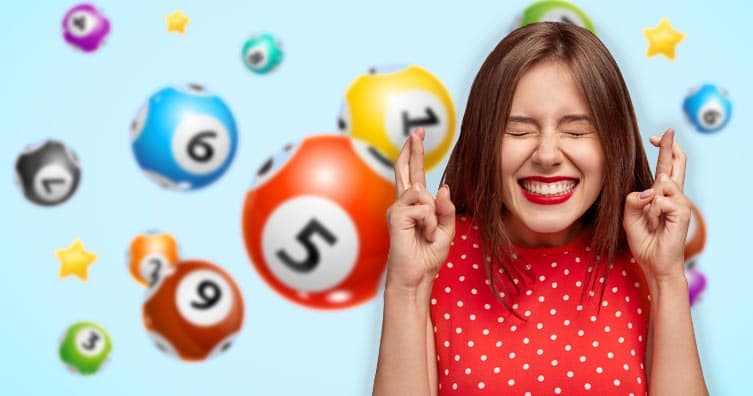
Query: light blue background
[{"x": 50, "y": 90}]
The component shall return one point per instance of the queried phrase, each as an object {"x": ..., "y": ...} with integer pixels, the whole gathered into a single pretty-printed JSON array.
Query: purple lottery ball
[
  {"x": 696, "y": 283},
  {"x": 85, "y": 28}
]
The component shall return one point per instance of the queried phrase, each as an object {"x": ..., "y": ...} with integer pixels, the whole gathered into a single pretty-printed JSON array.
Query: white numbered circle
[
  {"x": 562, "y": 15},
  {"x": 223, "y": 345},
  {"x": 53, "y": 182},
  {"x": 274, "y": 164},
  {"x": 310, "y": 243},
  {"x": 162, "y": 343},
  {"x": 344, "y": 121},
  {"x": 81, "y": 23},
  {"x": 90, "y": 341},
  {"x": 153, "y": 268},
  {"x": 711, "y": 115},
  {"x": 257, "y": 55},
  {"x": 691, "y": 227},
  {"x": 201, "y": 144},
  {"x": 409, "y": 110},
  {"x": 204, "y": 298},
  {"x": 194, "y": 89},
  {"x": 137, "y": 125},
  {"x": 166, "y": 182}
]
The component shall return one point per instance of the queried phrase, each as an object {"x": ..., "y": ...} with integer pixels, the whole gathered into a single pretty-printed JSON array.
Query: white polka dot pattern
[{"x": 565, "y": 342}]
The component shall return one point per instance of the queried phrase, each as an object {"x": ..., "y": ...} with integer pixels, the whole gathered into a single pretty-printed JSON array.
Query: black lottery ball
[{"x": 48, "y": 174}]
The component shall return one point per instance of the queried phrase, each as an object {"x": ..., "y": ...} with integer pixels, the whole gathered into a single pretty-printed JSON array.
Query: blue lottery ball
[
  {"x": 708, "y": 108},
  {"x": 184, "y": 137}
]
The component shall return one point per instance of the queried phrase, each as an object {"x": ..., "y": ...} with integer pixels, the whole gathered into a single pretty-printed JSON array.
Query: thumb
[
  {"x": 635, "y": 202},
  {"x": 445, "y": 210}
]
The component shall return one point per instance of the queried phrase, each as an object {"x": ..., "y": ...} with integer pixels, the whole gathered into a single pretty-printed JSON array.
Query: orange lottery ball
[
  {"x": 195, "y": 311},
  {"x": 314, "y": 221},
  {"x": 695, "y": 241},
  {"x": 150, "y": 255}
]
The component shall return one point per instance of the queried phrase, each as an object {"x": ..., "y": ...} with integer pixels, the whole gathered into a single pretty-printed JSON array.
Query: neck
[{"x": 521, "y": 236}]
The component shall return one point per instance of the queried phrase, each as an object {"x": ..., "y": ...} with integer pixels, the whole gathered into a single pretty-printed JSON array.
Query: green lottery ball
[
  {"x": 261, "y": 54},
  {"x": 556, "y": 11},
  {"x": 85, "y": 347}
]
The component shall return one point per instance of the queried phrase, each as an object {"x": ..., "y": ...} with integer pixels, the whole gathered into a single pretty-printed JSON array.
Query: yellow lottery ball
[{"x": 382, "y": 108}]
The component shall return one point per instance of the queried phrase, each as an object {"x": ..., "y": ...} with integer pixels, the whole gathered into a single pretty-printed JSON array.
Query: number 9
[{"x": 204, "y": 298}]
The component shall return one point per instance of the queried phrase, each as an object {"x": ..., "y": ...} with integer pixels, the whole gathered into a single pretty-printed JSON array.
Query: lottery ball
[
  {"x": 184, "y": 137},
  {"x": 707, "y": 108},
  {"x": 314, "y": 221},
  {"x": 383, "y": 108},
  {"x": 150, "y": 255},
  {"x": 85, "y": 27},
  {"x": 696, "y": 283},
  {"x": 555, "y": 11},
  {"x": 48, "y": 173},
  {"x": 85, "y": 347},
  {"x": 194, "y": 311},
  {"x": 695, "y": 242},
  {"x": 261, "y": 54}
]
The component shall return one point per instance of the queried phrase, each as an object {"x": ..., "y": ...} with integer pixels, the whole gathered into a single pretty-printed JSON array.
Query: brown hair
[{"x": 473, "y": 170}]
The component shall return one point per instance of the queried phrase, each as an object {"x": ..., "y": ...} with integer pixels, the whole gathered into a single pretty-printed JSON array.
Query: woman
[{"x": 562, "y": 272}]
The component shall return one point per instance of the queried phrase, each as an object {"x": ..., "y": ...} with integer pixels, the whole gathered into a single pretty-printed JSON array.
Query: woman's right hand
[{"x": 421, "y": 227}]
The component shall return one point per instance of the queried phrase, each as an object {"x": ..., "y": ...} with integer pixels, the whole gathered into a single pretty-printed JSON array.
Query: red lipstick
[{"x": 547, "y": 200}]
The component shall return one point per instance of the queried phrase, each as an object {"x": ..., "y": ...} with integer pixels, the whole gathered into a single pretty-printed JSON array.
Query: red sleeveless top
[{"x": 562, "y": 347}]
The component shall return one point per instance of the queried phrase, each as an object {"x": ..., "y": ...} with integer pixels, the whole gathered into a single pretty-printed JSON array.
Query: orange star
[
  {"x": 663, "y": 39},
  {"x": 75, "y": 260}
]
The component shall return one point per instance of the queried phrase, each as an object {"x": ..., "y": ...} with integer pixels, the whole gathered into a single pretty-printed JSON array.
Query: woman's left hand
[{"x": 656, "y": 221}]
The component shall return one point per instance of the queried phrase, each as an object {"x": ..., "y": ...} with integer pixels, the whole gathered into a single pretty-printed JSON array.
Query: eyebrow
[{"x": 564, "y": 120}]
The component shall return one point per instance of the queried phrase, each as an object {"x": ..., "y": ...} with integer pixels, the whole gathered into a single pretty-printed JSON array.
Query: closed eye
[
  {"x": 519, "y": 134},
  {"x": 577, "y": 133}
]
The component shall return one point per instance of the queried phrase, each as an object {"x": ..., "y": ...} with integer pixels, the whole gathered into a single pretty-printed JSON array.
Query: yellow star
[
  {"x": 75, "y": 260},
  {"x": 177, "y": 21},
  {"x": 663, "y": 39}
]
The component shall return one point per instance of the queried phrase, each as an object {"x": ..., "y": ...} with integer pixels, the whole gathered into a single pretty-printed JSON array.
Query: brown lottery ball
[{"x": 195, "y": 311}]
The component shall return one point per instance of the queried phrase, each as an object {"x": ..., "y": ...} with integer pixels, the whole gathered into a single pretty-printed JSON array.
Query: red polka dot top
[{"x": 564, "y": 346}]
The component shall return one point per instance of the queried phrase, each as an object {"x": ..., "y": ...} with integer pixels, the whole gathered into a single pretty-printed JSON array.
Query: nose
[{"x": 548, "y": 152}]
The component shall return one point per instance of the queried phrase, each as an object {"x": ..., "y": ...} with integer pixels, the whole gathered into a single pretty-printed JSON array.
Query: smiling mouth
[{"x": 555, "y": 189}]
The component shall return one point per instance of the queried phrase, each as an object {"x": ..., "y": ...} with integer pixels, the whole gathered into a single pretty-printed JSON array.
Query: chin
[
  {"x": 553, "y": 225},
  {"x": 547, "y": 228}
]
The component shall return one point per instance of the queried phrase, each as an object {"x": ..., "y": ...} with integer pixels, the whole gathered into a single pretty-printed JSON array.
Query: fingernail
[{"x": 647, "y": 193}]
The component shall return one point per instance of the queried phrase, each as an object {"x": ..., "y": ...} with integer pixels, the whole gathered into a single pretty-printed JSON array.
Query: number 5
[{"x": 312, "y": 253}]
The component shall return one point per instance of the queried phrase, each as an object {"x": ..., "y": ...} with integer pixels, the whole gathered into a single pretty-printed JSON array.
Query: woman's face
[{"x": 552, "y": 158}]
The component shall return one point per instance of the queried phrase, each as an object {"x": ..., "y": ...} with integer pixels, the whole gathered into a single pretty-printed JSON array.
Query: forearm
[
  {"x": 402, "y": 368},
  {"x": 675, "y": 368}
]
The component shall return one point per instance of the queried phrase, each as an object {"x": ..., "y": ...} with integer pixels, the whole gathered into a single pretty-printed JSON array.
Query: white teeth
[{"x": 557, "y": 188}]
